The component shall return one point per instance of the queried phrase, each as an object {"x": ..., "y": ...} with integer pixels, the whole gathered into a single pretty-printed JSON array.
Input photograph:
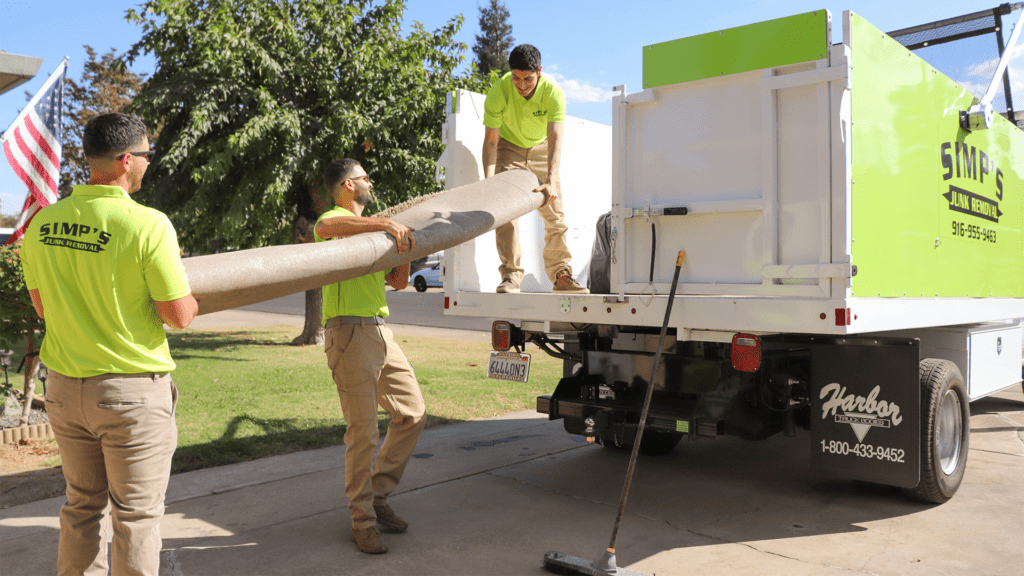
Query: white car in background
[{"x": 427, "y": 278}]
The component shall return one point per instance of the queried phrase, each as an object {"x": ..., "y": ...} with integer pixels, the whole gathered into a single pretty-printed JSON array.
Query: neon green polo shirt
[
  {"x": 99, "y": 260},
  {"x": 362, "y": 296},
  {"x": 523, "y": 122}
]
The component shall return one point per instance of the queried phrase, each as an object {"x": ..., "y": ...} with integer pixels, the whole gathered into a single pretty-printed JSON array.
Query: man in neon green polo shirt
[
  {"x": 106, "y": 271},
  {"x": 366, "y": 363},
  {"x": 523, "y": 117}
]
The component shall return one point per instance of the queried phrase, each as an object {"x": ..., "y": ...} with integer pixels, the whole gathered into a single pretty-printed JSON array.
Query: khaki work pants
[
  {"x": 369, "y": 369},
  {"x": 556, "y": 251},
  {"x": 116, "y": 435}
]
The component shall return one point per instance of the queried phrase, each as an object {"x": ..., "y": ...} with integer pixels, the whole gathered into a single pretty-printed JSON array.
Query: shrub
[{"x": 18, "y": 319}]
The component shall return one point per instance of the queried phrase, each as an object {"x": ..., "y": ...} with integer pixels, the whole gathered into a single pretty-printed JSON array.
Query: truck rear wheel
[
  {"x": 945, "y": 431},
  {"x": 654, "y": 443}
]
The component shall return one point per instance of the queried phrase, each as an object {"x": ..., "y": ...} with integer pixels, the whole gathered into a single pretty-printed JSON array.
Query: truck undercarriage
[{"x": 702, "y": 390}]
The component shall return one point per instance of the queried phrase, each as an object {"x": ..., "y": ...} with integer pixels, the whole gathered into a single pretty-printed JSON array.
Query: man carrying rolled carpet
[
  {"x": 106, "y": 273},
  {"x": 368, "y": 367}
]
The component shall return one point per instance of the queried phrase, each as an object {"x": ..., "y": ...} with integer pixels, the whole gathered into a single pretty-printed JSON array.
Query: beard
[{"x": 363, "y": 196}]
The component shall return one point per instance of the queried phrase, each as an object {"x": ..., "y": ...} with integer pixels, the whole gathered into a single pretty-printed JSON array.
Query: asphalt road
[{"x": 406, "y": 306}]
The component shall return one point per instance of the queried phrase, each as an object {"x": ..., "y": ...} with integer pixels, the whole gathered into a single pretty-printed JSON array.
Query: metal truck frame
[{"x": 853, "y": 276}]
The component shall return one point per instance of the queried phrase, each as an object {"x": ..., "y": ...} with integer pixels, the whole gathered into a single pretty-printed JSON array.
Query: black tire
[
  {"x": 945, "y": 431},
  {"x": 420, "y": 284},
  {"x": 609, "y": 442},
  {"x": 658, "y": 443},
  {"x": 654, "y": 443}
]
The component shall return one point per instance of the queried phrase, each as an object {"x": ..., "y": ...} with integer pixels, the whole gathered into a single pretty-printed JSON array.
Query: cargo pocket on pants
[{"x": 336, "y": 340}]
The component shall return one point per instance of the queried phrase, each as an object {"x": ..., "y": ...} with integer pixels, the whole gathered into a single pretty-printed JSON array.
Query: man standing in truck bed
[{"x": 523, "y": 116}]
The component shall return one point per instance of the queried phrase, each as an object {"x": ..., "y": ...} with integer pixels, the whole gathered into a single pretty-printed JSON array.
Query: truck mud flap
[{"x": 865, "y": 408}]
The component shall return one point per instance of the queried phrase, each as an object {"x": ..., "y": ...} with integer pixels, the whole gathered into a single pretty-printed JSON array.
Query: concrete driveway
[{"x": 492, "y": 496}]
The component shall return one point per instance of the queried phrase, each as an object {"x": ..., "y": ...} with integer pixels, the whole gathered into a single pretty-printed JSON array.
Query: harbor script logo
[{"x": 859, "y": 412}]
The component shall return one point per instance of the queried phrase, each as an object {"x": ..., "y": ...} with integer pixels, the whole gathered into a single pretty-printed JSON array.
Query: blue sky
[{"x": 586, "y": 50}]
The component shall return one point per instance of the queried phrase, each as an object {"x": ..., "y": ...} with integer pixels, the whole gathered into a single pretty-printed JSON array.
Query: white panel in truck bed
[{"x": 750, "y": 162}]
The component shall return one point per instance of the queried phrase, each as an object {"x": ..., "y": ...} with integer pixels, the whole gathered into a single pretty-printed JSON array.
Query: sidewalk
[
  {"x": 492, "y": 496},
  {"x": 292, "y": 508}
]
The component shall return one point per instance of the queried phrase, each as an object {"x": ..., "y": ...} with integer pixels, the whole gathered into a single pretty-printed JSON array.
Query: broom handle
[{"x": 647, "y": 404}]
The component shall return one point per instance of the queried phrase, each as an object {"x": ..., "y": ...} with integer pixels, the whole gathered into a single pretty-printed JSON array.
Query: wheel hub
[{"x": 949, "y": 431}]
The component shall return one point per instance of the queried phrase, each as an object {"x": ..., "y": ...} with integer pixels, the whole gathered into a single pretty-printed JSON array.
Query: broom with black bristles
[{"x": 560, "y": 563}]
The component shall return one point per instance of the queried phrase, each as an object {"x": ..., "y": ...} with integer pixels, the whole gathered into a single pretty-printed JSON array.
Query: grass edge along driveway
[{"x": 247, "y": 393}]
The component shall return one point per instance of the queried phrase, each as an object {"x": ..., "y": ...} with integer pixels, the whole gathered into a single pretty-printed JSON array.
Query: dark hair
[
  {"x": 338, "y": 170},
  {"x": 109, "y": 134},
  {"x": 524, "y": 57}
]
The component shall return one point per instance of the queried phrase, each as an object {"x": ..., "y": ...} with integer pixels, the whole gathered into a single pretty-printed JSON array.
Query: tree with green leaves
[
  {"x": 495, "y": 39},
  {"x": 256, "y": 97},
  {"x": 106, "y": 85}
]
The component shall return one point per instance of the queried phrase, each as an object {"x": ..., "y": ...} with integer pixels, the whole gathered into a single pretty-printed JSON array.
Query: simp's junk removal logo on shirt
[
  {"x": 861, "y": 413},
  {"x": 75, "y": 236}
]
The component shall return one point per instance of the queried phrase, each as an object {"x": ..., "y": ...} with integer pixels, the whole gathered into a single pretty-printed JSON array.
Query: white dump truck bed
[{"x": 809, "y": 195}]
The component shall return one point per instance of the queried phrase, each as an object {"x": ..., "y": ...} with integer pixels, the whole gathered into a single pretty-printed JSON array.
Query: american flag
[{"x": 32, "y": 146}]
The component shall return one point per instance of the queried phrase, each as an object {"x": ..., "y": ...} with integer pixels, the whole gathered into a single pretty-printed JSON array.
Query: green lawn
[{"x": 247, "y": 394}]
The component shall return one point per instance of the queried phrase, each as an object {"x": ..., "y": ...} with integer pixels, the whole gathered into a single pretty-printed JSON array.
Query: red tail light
[
  {"x": 746, "y": 352},
  {"x": 501, "y": 335},
  {"x": 843, "y": 317}
]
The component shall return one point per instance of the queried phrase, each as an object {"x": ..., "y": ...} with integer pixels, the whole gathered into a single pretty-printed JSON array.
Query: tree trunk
[
  {"x": 31, "y": 370},
  {"x": 313, "y": 332}
]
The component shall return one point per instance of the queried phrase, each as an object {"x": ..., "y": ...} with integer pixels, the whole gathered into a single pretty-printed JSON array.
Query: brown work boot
[
  {"x": 387, "y": 518},
  {"x": 508, "y": 286},
  {"x": 369, "y": 540},
  {"x": 565, "y": 283}
]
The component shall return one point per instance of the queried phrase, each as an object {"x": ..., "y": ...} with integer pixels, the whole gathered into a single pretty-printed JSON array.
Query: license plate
[{"x": 511, "y": 365}]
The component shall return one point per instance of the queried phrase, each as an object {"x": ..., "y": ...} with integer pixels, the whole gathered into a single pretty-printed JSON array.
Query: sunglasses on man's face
[
  {"x": 148, "y": 154},
  {"x": 363, "y": 177}
]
